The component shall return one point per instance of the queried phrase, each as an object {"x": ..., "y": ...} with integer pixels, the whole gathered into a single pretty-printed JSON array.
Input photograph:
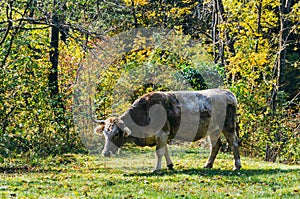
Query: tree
[
  {"x": 257, "y": 68},
  {"x": 35, "y": 107}
]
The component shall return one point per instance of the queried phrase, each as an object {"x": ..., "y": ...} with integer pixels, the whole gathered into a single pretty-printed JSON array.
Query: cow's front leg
[
  {"x": 214, "y": 149},
  {"x": 159, "y": 154},
  {"x": 161, "y": 143}
]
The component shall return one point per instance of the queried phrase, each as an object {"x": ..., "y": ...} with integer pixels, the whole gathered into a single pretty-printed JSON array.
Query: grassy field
[{"x": 130, "y": 176}]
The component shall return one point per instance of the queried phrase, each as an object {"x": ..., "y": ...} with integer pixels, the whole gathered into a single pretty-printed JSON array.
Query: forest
[{"x": 51, "y": 51}]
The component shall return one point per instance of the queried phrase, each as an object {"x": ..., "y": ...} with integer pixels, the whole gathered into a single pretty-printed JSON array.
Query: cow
[{"x": 158, "y": 117}]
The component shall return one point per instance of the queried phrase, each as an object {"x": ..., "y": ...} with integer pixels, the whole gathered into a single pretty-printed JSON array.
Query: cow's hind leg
[
  {"x": 232, "y": 140},
  {"x": 229, "y": 131},
  {"x": 214, "y": 149},
  {"x": 168, "y": 159}
]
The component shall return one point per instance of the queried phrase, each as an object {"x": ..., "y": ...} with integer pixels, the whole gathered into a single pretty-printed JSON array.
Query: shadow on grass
[
  {"x": 191, "y": 172},
  {"x": 212, "y": 172},
  {"x": 14, "y": 170}
]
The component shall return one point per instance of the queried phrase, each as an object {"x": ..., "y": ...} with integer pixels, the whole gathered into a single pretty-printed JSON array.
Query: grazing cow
[{"x": 157, "y": 117}]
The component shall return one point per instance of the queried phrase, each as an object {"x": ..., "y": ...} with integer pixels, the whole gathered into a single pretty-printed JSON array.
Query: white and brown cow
[{"x": 157, "y": 117}]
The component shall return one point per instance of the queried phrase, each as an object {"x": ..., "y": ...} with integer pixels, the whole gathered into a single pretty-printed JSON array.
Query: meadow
[{"x": 129, "y": 176}]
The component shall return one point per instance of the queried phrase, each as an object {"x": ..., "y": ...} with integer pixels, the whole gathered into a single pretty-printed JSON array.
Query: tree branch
[{"x": 18, "y": 27}]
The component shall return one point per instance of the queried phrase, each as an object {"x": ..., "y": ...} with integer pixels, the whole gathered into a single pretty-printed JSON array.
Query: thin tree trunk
[
  {"x": 54, "y": 53},
  {"x": 218, "y": 43},
  {"x": 134, "y": 14},
  {"x": 280, "y": 65},
  {"x": 218, "y": 18},
  {"x": 284, "y": 8},
  {"x": 214, "y": 31},
  {"x": 259, "y": 9},
  {"x": 284, "y": 24}
]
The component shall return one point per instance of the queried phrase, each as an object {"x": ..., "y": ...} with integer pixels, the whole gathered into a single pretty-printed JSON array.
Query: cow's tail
[
  {"x": 236, "y": 126},
  {"x": 232, "y": 114},
  {"x": 231, "y": 99},
  {"x": 237, "y": 130}
]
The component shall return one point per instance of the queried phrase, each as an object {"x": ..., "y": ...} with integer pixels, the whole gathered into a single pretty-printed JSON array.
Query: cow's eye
[{"x": 116, "y": 135}]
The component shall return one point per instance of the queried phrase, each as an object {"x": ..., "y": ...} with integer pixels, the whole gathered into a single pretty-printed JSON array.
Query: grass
[{"x": 130, "y": 176}]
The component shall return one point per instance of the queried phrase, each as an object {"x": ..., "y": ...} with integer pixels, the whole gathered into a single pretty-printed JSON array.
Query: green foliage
[
  {"x": 152, "y": 69},
  {"x": 194, "y": 77},
  {"x": 31, "y": 122},
  {"x": 267, "y": 127}
]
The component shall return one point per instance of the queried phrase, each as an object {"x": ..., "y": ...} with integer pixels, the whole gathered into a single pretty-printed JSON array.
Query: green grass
[{"x": 130, "y": 176}]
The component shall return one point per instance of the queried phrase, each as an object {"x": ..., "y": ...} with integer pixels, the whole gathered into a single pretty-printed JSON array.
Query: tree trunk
[
  {"x": 259, "y": 9},
  {"x": 214, "y": 30},
  {"x": 57, "y": 101},
  {"x": 53, "y": 76},
  {"x": 284, "y": 24},
  {"x": 135, "y": 23},
  {"x": 284, "y": 8},
  {"x": 217, "y": 19}
]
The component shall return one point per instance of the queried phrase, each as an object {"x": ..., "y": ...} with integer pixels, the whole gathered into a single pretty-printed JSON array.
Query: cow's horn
[
  {"x": 98, "y": 121},
  {"x": 127, "y": 131}
]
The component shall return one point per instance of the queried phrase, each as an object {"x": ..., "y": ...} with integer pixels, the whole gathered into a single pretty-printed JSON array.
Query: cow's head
[{"x": 115, "y": 133}]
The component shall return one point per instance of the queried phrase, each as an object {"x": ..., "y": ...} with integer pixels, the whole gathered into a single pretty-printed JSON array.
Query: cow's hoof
[
  {"x": 208, "y": 166},
  {"x": 236, "y": 168},
  {"x": 156, "y": 171},
  {"x": 170, "y": 166}
]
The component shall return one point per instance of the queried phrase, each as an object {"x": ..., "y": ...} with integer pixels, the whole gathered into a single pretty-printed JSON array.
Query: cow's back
[{"x": 191, "y": 115}]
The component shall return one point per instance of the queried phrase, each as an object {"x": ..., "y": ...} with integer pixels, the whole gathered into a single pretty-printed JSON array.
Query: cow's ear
[
  {"x": 127, "y": 131},
  {"x": 100, "y": 128}
]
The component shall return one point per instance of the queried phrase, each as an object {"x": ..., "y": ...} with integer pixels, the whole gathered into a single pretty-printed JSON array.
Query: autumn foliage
[{"x": 252, "y": 45}]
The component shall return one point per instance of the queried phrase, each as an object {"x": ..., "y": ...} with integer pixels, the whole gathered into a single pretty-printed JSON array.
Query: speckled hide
[{"x": 157, "y": 117}]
